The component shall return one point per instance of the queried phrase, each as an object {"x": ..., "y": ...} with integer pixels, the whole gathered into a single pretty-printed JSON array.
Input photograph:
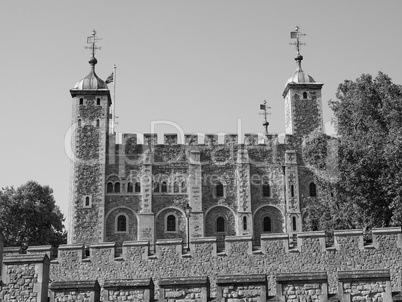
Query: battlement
[
  {"x": 272, "y": 267},
  {"x": 195, "y": 139},
  {"x": 269, "y": 244}
]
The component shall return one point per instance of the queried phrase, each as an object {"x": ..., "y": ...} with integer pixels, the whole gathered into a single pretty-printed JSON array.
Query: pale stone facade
[{"x": 139, "y": 191}]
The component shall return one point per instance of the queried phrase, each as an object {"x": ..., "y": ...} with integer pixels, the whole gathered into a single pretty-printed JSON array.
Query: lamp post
[{"x": 187, "y": 210}]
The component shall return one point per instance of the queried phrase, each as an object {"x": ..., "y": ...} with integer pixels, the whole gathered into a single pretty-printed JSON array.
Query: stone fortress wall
[
  {"x": 242, "y": 168},
  {"x": 350, "y": 270}
]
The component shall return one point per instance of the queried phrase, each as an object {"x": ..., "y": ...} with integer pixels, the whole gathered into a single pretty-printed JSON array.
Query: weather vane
[
  {"x": 92, "y": 40},
  {"x": 297, "y": 35},
  {"x": 264, "y": 107}
]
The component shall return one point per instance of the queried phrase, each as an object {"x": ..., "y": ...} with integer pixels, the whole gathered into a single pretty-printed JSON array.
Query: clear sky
[{"x": 200, "y": 64}]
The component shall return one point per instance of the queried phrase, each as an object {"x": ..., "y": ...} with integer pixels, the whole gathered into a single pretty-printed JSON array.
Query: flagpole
[{"x": 114, "y": 99}]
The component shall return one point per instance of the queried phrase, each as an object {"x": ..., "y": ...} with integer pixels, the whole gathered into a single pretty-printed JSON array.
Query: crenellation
[
  {"x": 238, "y": 245},
  {"x": 169, "y": 248},
  {"x": 204, "y": 246},
  {"x": 304, "y": 267},
  {"x": 41, "y": 249},
  {"x": 250, "y": 139},
  {"x": 230, "y": 139},
  {"x": 385, "y": 237},
  {"x": 11, "y": 250},
  {"x": 170, "y": 139},
  {"x": 136, "y": 250},
  {"x": 102, "y": 252},
  {"x": 191, "y": 139},
  {"x": 275, "y": 243},
  {"x": 150, "y": 139},
  {"x": 210, "y": 139},
  {"x": 310, "y": 242},
  {"x": 71, "y": 253},
  {"x": 349, "y": 239}
]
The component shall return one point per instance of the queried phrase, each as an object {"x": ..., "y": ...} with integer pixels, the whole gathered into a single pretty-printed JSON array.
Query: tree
[
  {"x": 29, "y": 216},
  {"x": 368, "y": 189}
]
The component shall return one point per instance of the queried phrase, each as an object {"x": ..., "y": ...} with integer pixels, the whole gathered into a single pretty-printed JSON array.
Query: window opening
[
  {"x": 244, "y": 223},
  {"x": 98, "y": 101},
  {"x": 121, "y": 223},
  {"x": 79, "y": 122},
  {"x": 292, "y": 191},
  {"x": 81, "y": 101},
  {"x": 294, "y": 223},
  {"x": 164, "y": 187},
  {"x": 304, "y": 95},
  {"x": 137, "y": 187},
  {"x": 220, "y": 224},
  {"x": 117, "y": 187},
  {"x": 130, "y": 187},
  {"x": 87, "y": 201},
  {"x": 109, "y": 187},
  {"x": 267, "y": 224},
  {"x": 313, "y": 190},
  {"x": 175, "y": 187},
  {"x": 171, "y": 223},
  {"x": 184, "y": 187},
  {"x": 219, "y": 190},
  {"x": 97, "y": 123},
  {"x": 266, "y": 190}
]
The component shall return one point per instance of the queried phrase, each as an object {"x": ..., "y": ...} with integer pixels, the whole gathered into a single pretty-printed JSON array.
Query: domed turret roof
[
  {"x": 299, "y": 76},
  {"x": 91, "y": 81}
]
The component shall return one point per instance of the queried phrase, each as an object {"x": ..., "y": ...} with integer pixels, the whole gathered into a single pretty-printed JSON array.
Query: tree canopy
[
  {"x": 360, "y": 179},
  {"x": 29, "y": 216}
]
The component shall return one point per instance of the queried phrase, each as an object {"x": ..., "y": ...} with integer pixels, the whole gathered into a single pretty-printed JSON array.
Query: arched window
[
  {"x": 109, "y": 187},
  {"x": 244, "y": 223},
  {"x": 98, "y": 101},
  {"x": 87, "y": 201},
  {"x": 137, "y": 187},
  {"x": 171, "y": 223},
  {"x": 156, "y": 187},
  {"x": 130, "y": 187},
  {"x": 292, "y": 191},
  {"x": 220, "y": 224},
  {"x": 267, "y": 224},
  {"x": 122, "y": 223},
  {"x": 219, "y": 190},
  {"x": 294, "y": 226},
  {"x": 304, "y": 95},
  {"x": 183, "y": 187},
  {"x": 266, "y": 190},
  {"x": 79, "y": 123},
  {"x": 81, "y": 101},
  {"x": 117, "y": 187},
  {"x": 313, "y": 190},
  {"x": 97, "y": 123},
  {"x": 164, "y": 187},
  {"x": 175, "y": 187}
]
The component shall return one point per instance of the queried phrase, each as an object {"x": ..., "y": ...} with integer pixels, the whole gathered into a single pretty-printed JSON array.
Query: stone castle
[
  {"x": 149, "y": 191},
  {"x": 191, "y": 222}
]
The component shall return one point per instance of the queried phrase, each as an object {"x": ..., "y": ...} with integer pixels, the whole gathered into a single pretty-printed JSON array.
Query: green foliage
[
  {"x": 29, "y": 216},
  {"x": 368, "y": 190}
]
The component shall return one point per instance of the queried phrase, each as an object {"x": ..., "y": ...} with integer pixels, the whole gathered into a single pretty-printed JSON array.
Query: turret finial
[
  {"x": 264, "y": 107},
  {"x": 297, "y": 35},
  {"x": 92, "y": 41}
]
